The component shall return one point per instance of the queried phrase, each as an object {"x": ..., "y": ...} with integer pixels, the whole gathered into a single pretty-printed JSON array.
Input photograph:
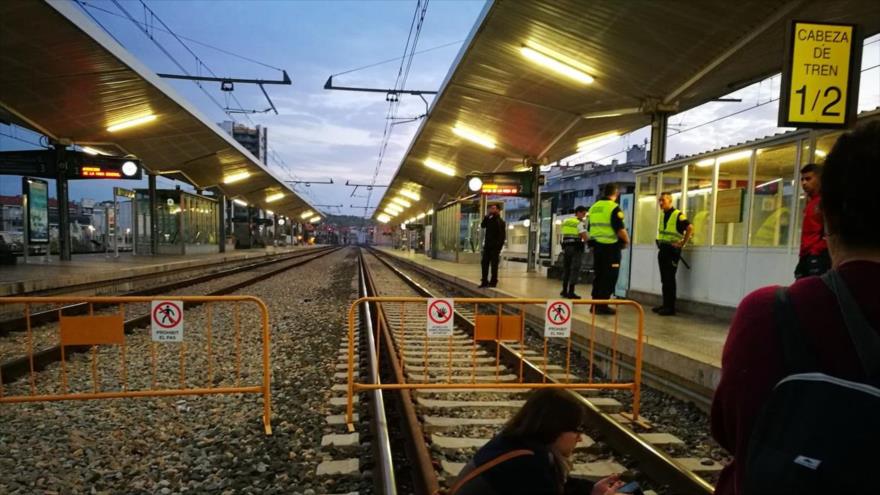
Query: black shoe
[
  {"x": 564, "y": 293},
  {"x": 658, "y": 308},
  {"x": 493, "y": 284},
  {"x": 603, "y": 310},
  {"x": 484, "y": 285},
  {"x": 666, "y": 312},
  {"x": 572, "y": 295}
]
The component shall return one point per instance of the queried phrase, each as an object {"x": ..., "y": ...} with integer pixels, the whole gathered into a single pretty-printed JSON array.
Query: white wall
[{"x": 718, "y": 275}]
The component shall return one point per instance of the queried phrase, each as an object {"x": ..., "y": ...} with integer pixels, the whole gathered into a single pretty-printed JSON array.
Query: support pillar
[
  {"x": 483, "y": 208},
  {"x": 154, "y": 219},
  {"x": 659, "y": 126},
  {"x": 62, "y": 195},
  {"x": 250, "y": 228},
  {"x": 221, "y": 220},
  {"x": 534, "y": 221}
]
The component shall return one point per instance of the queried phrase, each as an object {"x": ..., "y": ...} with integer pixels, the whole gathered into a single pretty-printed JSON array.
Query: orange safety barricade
[
  {"x": 209, "y": 344},
  {"x": 503, "y": 325}
]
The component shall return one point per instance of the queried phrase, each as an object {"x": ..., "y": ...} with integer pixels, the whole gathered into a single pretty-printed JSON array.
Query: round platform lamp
[{"x": 475, "y": 184}]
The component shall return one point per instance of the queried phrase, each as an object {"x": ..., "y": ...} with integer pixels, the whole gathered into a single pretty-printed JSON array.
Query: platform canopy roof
[
  {"x": 65, "y": 77},
  {"x": 643, "y": 55}
]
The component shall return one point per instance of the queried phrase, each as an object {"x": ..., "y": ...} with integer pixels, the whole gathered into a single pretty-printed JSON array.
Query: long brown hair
[{"x": 547, "y": 413}]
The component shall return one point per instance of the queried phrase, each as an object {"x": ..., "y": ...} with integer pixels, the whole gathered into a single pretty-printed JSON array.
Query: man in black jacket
[{"x": 493, "y": 241}]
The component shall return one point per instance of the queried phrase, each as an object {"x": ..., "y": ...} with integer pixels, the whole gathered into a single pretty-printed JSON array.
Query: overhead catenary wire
[
  {"x": 409, "y": 49},
  {"x": 191, "y": 40}
]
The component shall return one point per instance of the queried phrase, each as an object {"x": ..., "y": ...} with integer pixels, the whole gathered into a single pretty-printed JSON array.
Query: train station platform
[
  {"x": 39, "y": 277},
  {"x": 684, "y": 350}
]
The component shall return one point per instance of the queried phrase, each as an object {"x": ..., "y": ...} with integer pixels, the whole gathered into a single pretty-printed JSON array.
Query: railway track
[
  {"x": 42, "y": 332},
  {"x": 443, "y": 428}
]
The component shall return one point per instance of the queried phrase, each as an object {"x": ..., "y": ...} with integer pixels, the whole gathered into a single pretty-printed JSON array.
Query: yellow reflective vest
[
  {"x": 570, "y": 228},
  {"x": 668, "y": 232},
  {"x": 600, "y": 222}
]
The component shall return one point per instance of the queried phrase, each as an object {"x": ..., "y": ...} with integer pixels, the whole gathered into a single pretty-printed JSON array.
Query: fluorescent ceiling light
[
  {"x": 420, "y": 216},
  {"x": 410, "y": 194},
  {"x": 306, "y": 213},
  {"x": 474, "y": 136},
  {"x": 274, "y": 197},
  {"x": 593, "y": 142},
  {"x": 708, "y": 162},
  {"x": 93, "y": 151},
  {"x": 391, "y": 212},
  {"x": 239, "y": 202},
  {"x": 701, "y": 190},
  {"x": 238, "y": 176},
  {"x": 821, "y": 153},
  {"x": 401, "y": 201},
  {"x": 430, "y": 212},
  {"x": 774, "y": 181},
  {"x": 734, "y": 156},
  {"x": 394, "y": 207},
  {"x": 383, "y": 218},
  {"x": 131, "y": 123},
  {"x": 439, "y": 167},
  {"x": 556, "y": 66},
  {"x": 315, "y": 219}
]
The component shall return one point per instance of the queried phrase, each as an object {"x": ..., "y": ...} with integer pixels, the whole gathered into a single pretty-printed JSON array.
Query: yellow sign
[{"x": 820, "y": 78}]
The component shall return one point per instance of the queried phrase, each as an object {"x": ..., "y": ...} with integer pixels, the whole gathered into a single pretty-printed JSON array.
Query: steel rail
[
  {"x": 386, "y": 481},
  {"x": 42, "y": 317},
  {"x": 16, "y": 368},
  {"x": 424, "y": 477},
  {"x": 657, "y": 465}
]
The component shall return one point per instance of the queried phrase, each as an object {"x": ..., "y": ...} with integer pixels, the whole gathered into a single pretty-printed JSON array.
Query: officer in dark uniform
[
  {"x": 574, "y": 239},
  {"x": 493, "y": 241},
  {"x": 608, "y": 236},
  {"x": 673, "y": 233}
]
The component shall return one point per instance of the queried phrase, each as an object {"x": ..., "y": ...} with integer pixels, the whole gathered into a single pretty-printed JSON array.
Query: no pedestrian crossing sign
[
  {"x": 167, "y": 321},
  {"x": 557, "y": 319},
  {"x": 439, "y": 317}
]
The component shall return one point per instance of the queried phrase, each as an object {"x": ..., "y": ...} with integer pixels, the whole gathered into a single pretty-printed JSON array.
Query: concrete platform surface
[
  {"x": 38, "y": 275},
  {"x": 685, "y": 345}
]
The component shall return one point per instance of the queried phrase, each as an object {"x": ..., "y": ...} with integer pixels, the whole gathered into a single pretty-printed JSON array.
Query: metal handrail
[{"x": 383, "y": 442}]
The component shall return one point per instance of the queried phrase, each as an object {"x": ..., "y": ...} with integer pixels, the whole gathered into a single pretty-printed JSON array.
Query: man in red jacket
[
  {"x": 751, "y": 362},
  {"x": 814, "y": 259}
]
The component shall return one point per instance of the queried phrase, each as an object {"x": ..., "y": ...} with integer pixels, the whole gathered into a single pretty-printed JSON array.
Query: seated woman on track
[{"x": 531, "y": 454}]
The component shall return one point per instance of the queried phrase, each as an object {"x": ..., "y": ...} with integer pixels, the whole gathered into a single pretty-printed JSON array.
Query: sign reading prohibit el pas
[{"x": 820, "y": 78}]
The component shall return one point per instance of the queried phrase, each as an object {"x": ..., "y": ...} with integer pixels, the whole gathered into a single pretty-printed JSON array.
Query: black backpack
[{"x": 818, "y": 434}]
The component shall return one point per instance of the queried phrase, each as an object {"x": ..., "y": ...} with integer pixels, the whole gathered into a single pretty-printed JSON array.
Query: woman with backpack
[{"x": 532, "y": 453}]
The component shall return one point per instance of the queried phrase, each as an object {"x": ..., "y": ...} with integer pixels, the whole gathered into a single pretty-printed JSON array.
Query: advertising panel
[{"x": 36, "y": 192}]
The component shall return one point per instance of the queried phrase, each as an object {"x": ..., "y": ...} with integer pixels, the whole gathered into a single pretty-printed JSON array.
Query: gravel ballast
[{"x": 195, "y": 444}]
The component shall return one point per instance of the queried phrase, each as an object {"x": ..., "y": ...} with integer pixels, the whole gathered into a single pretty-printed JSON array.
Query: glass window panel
[
  {"x": 699, "y": 200},
  {"x": 824, "y": 144},
  {"x": 672, "y": 181},
  {"x": 733, "y": 182},
  {"x": 773, "y": 196},
  {"x": 646, "y": 210}
]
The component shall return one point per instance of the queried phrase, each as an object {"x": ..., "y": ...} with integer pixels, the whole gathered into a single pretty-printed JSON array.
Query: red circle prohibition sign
[
  {"x": 167, "y": 310},
  {"x": 565, "y": 314},
  {"x": 442, "y": 314}
]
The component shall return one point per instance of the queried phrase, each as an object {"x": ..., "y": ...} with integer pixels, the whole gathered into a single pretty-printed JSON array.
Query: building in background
[{"x": 255, "y": 140}]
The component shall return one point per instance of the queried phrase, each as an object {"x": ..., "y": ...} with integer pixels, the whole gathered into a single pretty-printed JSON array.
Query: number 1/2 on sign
[{"x": 832, "y": 92}]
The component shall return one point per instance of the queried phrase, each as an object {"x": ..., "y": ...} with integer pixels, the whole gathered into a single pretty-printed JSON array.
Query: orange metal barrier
[
  {"x": 499, "y": 327},
  {"x": 217, "y": 368}
]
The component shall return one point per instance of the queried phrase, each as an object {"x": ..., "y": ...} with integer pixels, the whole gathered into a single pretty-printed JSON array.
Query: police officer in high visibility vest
[
  {"x": 673, "y": 233},
  {"x": 574, "y": 239},
  {"x": 608, "y": 236}
]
